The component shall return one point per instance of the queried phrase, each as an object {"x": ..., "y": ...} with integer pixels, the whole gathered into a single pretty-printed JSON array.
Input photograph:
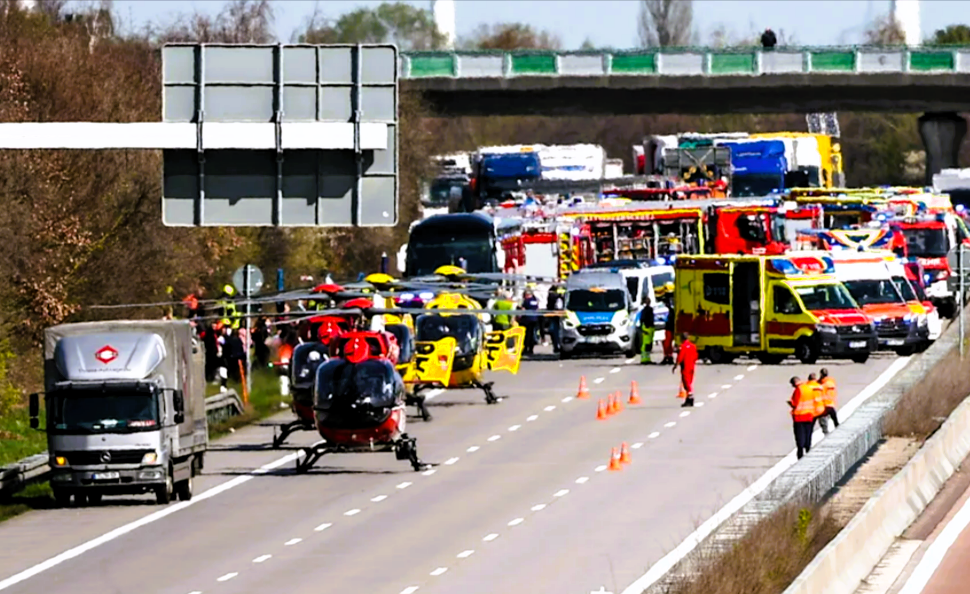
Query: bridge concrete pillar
[{"x": 942, "y": 135}]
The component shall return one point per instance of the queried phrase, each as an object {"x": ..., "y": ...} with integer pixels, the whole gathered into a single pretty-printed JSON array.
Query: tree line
[{"x": 83, "y": 228}]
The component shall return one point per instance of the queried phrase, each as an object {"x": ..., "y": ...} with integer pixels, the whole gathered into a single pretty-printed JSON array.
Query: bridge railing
[{"x": 685, "y": 62}]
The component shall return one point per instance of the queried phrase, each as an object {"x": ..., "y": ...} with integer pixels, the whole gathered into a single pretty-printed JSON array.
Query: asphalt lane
[{"x": 525, "y": 470}]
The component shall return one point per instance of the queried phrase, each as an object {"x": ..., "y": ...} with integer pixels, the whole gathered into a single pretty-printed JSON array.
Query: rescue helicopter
[{"x": 359, "y": 403}]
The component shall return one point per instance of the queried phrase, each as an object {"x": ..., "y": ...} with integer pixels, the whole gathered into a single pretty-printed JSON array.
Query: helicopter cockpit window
[
  {"x": 464, "y": 329},
  {"x": 370, "y": 382}
]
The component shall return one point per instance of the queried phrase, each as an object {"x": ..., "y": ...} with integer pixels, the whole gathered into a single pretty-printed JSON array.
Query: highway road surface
[{"x": 520, "y": 501}]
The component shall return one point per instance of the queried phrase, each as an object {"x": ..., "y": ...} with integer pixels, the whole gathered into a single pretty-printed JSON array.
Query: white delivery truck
[{"x": 125, "y": 403}]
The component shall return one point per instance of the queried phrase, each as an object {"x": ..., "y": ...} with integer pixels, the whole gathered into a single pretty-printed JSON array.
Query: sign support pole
[
  {"x": 249, "y": 338},
  {"x": 960, "y": 300}
]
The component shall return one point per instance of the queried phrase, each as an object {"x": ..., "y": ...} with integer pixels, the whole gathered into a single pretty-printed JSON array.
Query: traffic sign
[
  {"x": 953, "y": 258},
  {"x": 280, "y": 135},
  {"x": 255, "y": 280}
]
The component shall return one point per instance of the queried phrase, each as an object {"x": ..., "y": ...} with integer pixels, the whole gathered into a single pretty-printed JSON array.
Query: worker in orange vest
[
  {"x": 828, "y": 387},
  {"x": 818, "y": 398},
  {"x": 802, "y": 405}
]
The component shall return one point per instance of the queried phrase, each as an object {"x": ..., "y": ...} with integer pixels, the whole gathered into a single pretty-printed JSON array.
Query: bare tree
[
  {"x": 885, "y": 31},
  {"x": 510, "y": 36},
  {"x": 665, "y": 23}
]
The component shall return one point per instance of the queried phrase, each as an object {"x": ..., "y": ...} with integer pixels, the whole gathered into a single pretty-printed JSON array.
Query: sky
[{"x": 607, "y": 23}]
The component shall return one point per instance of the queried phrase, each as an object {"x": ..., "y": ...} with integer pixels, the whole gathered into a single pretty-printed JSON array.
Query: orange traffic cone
[
  {"x": 634, "y": 393},
  {"x": 583, "y": 390},
  {"x": 625, "y": 454},
  {"x": 615, "y": 460},
  {"x": 611, "y": 405},
  {"x": 601, "y": 411},
  {"x": 617, "y": 403}
]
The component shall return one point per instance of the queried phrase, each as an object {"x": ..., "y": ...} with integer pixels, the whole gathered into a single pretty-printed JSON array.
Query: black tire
[
  {"x": 716, "y": 355},
  {"x": 80, "y": 500},
  {"x": 564, "y": 355},
  {"x": 906, "y": 351},
  {"x": 94, "y": 498},
  {"x": 862, "y": 358},
  {"x": 183, "y": 489},
  {"x": 163, "y": 493},
  {"x": 806, "y": 351},
  {"x": 62, "y": 498}
]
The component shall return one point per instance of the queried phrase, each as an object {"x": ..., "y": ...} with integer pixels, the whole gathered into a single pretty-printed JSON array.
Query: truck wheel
[
  {"x": 62, "y": 498},
  {"x": 80, "y": 500},
  {"x": 770, "y": 358},
  {"x": 906, "y": 351},
  {"x": 806, "y": 352},
  {"x": 184, "y": 489},
  {"x": 860, "y": 358},
  {"x": 717, "y": 356},
  {"x": 94, "y": 498},
  {"x": 564, "y": 354},
  {"x": 163, "y": 493}
]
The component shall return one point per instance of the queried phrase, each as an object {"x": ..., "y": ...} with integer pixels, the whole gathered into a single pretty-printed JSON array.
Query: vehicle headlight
[
  {"x": 150, "y": 458},
  {"x": 60, "y": 461},
  {"x": 826, "y": 328}
]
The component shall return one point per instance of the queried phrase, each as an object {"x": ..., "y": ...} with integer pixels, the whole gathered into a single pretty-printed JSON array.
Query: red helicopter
[{"x": 359, "y": 402}]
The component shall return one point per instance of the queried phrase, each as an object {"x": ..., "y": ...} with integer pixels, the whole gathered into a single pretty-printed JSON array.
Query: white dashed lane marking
[
  {"x": 516, "y": 521},
  {"x": 352, "y": 512},
  {"x": 515, "y": 427},
  {"x": 404, "y": 485},
  {"x": 582, "y": 480},
  {"x": 699, "y": 404},
  {"x": 599, "y": 380},
  {"x": 322, "y": 527},
  {"x": 567, "y": 399},
  {"x": 490, "y": 537},
  {"x": 600, "y": 468},
  {"x": 450, "y": 461},
  {"x": 686, "y": 413},
  {"x": 409, "y": 590},
  {"x": 472, "y": 449},
  {"x": 560, "y": 492},
  {"x": 637, "y": 445},
  {"x": 615, "y": 370},
  {"x": 726, "y": 387},
  {"x": 378, "y": 499},
  {"x": 227, "y": 577},
  {"x": 532, "y": 418},
  {"x": 739, "y": 377},
  {"x": 752, "y": 367},
  {"x": 261, "y": 558},
  {"x": 495, "y": 438},
  {"x": 439, "y": 571},
  {"x": 670, "y": 424},
  {"x": 654, "y": 435},
  {"x": 466, "y": 554},
  {"x": 550, "y": 408},
  {"x": 712, "y": 395},
  {"x": 292, "y": 542},
  {"x": 539, "y": 507}
]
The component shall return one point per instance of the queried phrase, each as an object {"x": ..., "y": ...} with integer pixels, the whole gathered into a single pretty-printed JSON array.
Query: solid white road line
[
  {"x": 937, "y": 550},
  {"x": 684, "y": 548},
  {"x": 153, "y": 517}
]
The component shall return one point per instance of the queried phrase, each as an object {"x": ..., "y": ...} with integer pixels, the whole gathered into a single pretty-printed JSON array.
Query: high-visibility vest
[
  {"x": 828, "y": 384},
  {"x": 818, "y": 397},
  {"x": 804, "y": 401},
  {"x": 504, "y": 304}
]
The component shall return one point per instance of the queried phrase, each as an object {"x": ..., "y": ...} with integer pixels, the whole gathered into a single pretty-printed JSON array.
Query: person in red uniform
[
  {"x": 687, "y": 361},
  {"x": 802, "y": 405}
]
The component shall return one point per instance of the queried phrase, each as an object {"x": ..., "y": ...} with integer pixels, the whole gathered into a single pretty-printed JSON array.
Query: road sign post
[
  {"x": 960, "y": 300},
  {"x": 248, "y": 280}
]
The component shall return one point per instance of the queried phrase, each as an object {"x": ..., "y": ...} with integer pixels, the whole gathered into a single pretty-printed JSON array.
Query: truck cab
[
  {"x": 770, "y": 307},
  {"x": 599, "y": 315}
]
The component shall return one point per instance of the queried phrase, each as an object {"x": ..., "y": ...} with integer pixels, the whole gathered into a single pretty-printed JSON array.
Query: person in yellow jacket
[
  {"x": 829, "y": 399},
  {"x": 818, "y": 400},
  {"x": 230, "y": 317},
  {"x": 503, "y": 321}
]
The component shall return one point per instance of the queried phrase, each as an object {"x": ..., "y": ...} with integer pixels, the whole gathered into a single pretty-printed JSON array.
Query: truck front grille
[
  {"x": 97, "y": 457},
  {"x": 892, "y": 328}
]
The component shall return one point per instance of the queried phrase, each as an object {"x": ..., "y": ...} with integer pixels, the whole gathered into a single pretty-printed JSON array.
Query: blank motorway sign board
[{"x": 287, "y": 135}]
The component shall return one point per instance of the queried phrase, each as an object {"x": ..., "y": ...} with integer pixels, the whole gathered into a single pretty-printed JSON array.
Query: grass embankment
[
  {"x": 18, "y": 440},
  {"x": 777, "y": 549}
]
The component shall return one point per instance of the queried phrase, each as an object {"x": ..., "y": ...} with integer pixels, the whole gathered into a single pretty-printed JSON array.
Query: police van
[
  {"x": 644, "y": 281},
  {"x": 599, "y": 315}
]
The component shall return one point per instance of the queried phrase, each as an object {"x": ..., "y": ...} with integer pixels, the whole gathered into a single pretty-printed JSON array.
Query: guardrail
[
  {"x": 815, "y": 475},
  {"x": 685, "y": 62},
  {"x": 18, "y": 475}
]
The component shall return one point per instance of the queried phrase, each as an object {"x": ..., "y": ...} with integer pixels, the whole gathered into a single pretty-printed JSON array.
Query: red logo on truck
[{"x": 106, "y": 354}]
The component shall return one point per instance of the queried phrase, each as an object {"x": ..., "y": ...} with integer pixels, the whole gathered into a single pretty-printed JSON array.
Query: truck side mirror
[{"x": 34, "y": 411}]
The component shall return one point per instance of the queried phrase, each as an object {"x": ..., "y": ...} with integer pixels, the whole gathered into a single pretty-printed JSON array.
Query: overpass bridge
[{"x": 935, "y": 81}]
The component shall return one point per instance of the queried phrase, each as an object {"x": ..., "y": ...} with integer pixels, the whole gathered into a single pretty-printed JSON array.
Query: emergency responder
[
  {"x": 647, "y": 329},
  {"x": 802, "y": 405},
  {"x": 530, "y": 322},
  {"x": 828, "y": 387},
  {"x": 227, "y": 307},
  {"x": 669, "y": 331},
  {"x": 556, "y": 301},
  {"x": 687, "y": 361},
  {"x": 818, "y": 396},
  {"x": 504, "y": 303},
  {"x": 233, "y": 353}
]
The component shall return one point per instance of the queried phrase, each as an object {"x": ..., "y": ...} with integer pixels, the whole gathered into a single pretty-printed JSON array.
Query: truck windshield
[
  {"x": 905, "y": 289},
  {"x": 426, "y": 255},
  {"x": 94, "y": 411},
  {"x": 586, "y": 300},
  {"x": 755, "y": 184},
  {"x": 871, "y": 291},
  {"x": 927, "y": 243},
  {"x": 822, "y": 297}
]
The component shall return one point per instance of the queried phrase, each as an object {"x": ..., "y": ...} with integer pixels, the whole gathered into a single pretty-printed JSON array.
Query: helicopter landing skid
[
  {"x": 417, "y": 400},
  {"x": 405, "y": 448},
  {"x": 490, "y": 396},
  {"x": 287, "y": 429}
]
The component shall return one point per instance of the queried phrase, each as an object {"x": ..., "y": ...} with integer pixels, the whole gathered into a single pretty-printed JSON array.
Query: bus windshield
[
  {"x": 589, "y": 301},
  {"x": 871, "y": 291},
  {"x": 750, "y": 185},
  {"x": 425, "y": 255}
]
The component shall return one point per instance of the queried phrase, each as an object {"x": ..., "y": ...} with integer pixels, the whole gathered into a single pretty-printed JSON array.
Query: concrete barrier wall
[{"x": 842, "y": 565}]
